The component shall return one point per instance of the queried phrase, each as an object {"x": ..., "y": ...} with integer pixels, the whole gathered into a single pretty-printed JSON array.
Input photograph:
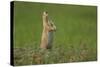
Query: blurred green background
[{"x": 76, "y": 31}]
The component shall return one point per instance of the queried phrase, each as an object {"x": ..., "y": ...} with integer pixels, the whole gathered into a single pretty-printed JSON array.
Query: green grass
[{"x": 75, "y": 39}]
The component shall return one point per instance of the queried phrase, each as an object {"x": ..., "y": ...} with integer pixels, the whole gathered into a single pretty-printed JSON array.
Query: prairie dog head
[{"x": 45, "y": 13}]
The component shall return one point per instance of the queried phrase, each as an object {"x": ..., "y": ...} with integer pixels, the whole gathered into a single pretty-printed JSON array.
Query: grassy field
[{"x": 75, "y": 39}]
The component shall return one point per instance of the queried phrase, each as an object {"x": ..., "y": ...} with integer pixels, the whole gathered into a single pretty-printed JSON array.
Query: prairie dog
[{"x": 47, "y": 33}]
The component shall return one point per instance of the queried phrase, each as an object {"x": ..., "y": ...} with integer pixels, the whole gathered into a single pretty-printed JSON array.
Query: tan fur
[{"x": 47, "y": 27}]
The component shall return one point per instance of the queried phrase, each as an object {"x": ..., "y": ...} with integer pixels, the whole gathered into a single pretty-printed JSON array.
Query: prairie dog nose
[{"x": 45, "y": 13}]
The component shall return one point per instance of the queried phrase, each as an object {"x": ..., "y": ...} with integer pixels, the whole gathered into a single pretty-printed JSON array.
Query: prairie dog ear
[{"x": 45, "y": 13}]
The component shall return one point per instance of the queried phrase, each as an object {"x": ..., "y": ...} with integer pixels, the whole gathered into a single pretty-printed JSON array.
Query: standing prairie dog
[{"x": 47, "y": 33}]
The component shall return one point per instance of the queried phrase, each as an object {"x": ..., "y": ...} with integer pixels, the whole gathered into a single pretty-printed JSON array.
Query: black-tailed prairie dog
[{"x": 47, "y": 33}]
